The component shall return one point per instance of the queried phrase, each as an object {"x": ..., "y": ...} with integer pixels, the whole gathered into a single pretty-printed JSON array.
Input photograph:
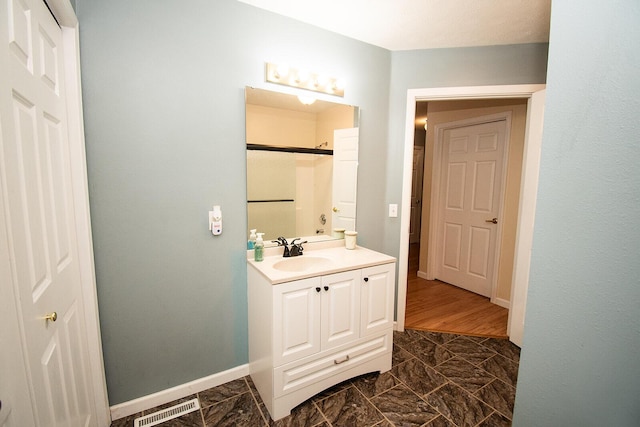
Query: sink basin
[{"x": 302, "y": 263}]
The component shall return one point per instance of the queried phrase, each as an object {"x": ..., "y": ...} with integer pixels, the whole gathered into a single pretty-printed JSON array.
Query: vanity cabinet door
[
  {"x": 340, "y": 308},
  {"x": 296, "y": 319},
  {"x": 377, "y": 298}
]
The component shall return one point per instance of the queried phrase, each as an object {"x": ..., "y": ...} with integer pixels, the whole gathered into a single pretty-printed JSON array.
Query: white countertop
[{"x": 332, "y": 257}]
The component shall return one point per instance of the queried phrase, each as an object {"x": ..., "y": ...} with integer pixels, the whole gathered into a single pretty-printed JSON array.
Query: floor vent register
[{"x": 167, "y": 414}]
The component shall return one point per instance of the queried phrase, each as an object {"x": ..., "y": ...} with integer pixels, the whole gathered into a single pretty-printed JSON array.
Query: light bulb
[
  {"x": 306, "y": 100},
  {"x": 303, "y": 76},
  {"x": 281, "y": 71}
]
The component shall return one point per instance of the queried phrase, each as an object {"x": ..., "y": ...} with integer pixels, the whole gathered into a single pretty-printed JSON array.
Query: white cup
[
  {"x": 338, "y": 233},
  {"x": 350, "y": 238}
]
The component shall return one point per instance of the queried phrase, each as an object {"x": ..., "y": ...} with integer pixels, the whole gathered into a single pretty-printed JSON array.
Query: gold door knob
[
  {"x": 494, "y": 220},
  {"x": 52, "y": 317},
  {"x": 336, "y": 209}
]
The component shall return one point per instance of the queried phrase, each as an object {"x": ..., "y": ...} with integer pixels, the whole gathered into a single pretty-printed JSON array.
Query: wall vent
[{"x": 167, "y": 414}]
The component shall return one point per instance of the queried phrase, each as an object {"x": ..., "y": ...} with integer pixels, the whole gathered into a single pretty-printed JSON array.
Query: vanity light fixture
[
  {"x": 303, "y": 79},
  {"x": 425, "y": 124}
]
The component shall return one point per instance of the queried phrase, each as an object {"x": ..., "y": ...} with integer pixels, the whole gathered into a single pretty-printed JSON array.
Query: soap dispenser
[
  {"x": 258, "y": 250},
  {"x": 252, "y": 239}
]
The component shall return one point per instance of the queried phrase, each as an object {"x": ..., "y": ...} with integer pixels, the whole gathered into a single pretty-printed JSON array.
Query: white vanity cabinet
[
  {"x": 315, "y": 314},
  {"x": 308, "y": 334}
]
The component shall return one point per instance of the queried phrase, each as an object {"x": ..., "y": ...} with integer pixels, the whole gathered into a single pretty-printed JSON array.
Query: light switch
[{"x": 393, "y": 210}]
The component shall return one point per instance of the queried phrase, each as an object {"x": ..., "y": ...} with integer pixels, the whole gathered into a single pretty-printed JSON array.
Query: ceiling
[{"x": 423, "y": 24}]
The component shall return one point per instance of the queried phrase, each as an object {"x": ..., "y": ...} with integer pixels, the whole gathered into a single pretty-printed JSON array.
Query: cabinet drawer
[{"x": 296, "y": 375}]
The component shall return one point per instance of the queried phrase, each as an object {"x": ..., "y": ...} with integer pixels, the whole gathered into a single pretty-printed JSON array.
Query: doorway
[
  {"x": 468, "y": 173},
  {"x": 524, "y": 220}
]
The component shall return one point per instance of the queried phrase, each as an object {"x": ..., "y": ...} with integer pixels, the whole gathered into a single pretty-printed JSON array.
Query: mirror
[{"x": 294, "y": 151}]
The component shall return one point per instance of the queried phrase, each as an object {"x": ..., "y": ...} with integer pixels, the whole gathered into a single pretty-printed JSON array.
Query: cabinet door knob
[
  {"x": 366, "y": 279},
  {"x": 326, "y": 288},
  {"x": 317, "y": 289}
]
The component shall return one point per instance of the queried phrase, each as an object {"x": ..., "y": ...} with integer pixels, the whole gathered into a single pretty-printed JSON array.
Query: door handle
[
  {"x": 493, "y": 221},
  {"x": 336, "y": 209},
  {"x": 51, "y": 317}
]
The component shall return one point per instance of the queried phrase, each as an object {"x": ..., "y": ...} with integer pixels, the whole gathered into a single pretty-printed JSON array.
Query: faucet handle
[
  {"x": 296, "y": 248},
  {"x": 281, "y": 241}
]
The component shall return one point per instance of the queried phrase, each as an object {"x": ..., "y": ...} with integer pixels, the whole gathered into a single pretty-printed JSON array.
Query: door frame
[
  {"x": 531, "y": 167},
  {"x": 64, "y": 13},
  {"x": 412, "y": 222},
  {"x": 435, "y": 215}
]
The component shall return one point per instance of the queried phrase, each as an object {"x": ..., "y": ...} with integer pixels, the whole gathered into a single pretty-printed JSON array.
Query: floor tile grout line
[
  {"x": 487, "y": 417},
  {"x": 204, "y": 423},
  {"x": 423, "y": 397},
  {"x": 450, "y": 381},
  {"x": 489, "y": 404},
  {"x": 223, "y": 400},
  {"x": 438, "y": 410},
  {"x": 255, "y": 401},
  {"x": 372, "y": 404},
  {"x": 324, "y": 416},
  {"x": 425, "y": 401},
  {"x": 476, "y": 366},
  {"x": 493, "y": 375},
  {"x": 494, "y": 409}
]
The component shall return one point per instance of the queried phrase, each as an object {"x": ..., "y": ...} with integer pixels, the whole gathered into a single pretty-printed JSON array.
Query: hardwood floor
[{"x": 437, "y": 306}]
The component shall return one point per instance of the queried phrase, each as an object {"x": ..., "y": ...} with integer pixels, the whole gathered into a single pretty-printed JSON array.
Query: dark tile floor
[{"x": 436, "y": 380}]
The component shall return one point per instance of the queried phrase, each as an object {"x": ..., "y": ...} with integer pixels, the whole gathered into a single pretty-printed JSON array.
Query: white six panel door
[
  {"x": 38, "y": 202},
  {"x": 471, "y": 191}
]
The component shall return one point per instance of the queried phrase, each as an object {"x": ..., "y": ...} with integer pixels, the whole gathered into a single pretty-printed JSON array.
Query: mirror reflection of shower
[{"x": 290, "y": 163}]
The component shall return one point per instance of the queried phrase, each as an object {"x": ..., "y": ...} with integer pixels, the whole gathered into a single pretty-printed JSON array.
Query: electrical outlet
[{"x": 393, "y": 210}]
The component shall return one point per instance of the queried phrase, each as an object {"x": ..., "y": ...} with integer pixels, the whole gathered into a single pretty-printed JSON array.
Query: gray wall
[
  {"x": 490, "y": 65},
  {"x": 580, "y": 362},
  {"x": 163, "y": 89},
  {"x": 163, "y": 86}
]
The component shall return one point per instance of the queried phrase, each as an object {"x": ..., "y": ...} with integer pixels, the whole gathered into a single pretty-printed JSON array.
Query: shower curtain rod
[{"x": 258, "y": 147}]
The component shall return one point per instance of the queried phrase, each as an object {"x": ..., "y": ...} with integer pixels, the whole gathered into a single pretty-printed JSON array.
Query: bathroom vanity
[{"x": 317, "y": 320}]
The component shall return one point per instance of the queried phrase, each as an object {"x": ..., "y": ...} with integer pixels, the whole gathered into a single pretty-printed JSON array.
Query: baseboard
[
  {"x": 131, "y": 407},
  {"x": 502, "y": 303},
  {"x": 422, "y": 275}
]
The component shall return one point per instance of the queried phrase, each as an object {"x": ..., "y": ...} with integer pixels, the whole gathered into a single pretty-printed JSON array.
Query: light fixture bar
[{"x": 301, "y": 79}]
